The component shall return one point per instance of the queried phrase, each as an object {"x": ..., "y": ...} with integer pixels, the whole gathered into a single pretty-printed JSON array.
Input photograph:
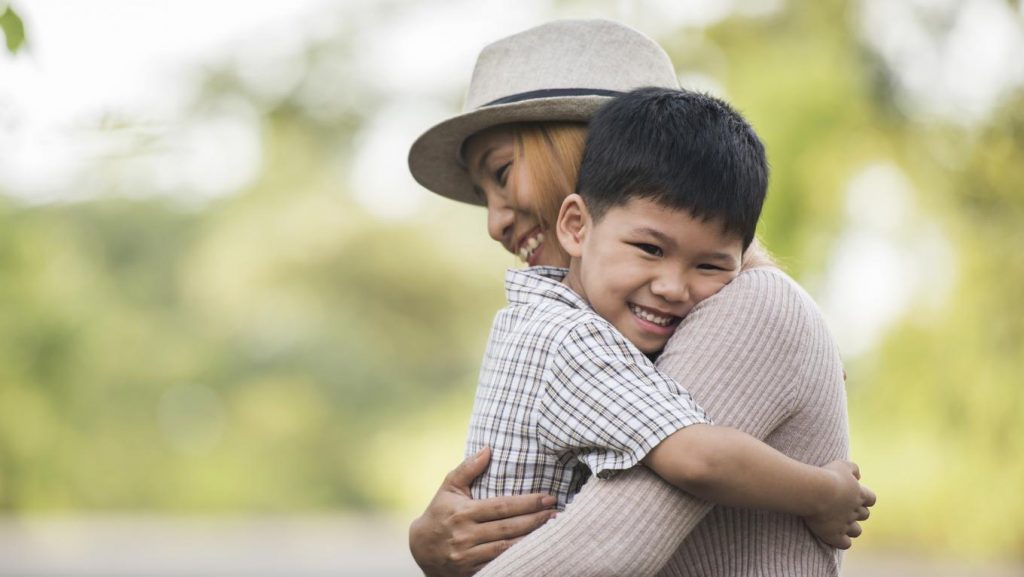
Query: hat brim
[{"x": 434, "y": 157}]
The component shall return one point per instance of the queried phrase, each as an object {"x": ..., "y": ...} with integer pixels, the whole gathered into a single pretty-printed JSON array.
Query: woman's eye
[
  {"x": 502, "y": 174},
  {"x": 649, "y": 248}
]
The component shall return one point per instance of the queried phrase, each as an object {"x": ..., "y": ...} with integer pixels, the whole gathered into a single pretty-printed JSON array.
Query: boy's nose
[{"x": 673, "y": 288}]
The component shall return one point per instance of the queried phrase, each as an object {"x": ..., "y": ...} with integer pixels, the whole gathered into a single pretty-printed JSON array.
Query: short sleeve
[{"x": 606, "y": 404}]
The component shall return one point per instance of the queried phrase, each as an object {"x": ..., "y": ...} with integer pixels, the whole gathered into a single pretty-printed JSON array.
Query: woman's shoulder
[
  {"x": 768, "y": 284},
  {"x": 763, "y": 296},
  {"x": 764, "y": 280}
]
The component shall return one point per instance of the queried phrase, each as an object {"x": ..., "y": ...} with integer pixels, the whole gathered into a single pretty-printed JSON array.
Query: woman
[{"x": 757, "y": 356}]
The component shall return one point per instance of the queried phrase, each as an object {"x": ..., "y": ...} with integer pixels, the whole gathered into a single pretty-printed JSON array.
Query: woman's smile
[{"x": 527, "y": 248}]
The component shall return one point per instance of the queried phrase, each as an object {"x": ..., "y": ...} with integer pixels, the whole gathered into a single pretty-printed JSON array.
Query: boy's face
[{"x": 643, "y": 266}]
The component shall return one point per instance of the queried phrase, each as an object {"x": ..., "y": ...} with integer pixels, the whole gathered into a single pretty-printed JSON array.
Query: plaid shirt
[{"x": 562, "y": 394}]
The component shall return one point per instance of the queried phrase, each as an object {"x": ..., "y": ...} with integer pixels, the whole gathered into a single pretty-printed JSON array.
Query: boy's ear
[{"x": 573, "y": 224}]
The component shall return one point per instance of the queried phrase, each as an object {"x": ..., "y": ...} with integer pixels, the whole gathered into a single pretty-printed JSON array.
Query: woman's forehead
[{"x": 487, "y": 141}]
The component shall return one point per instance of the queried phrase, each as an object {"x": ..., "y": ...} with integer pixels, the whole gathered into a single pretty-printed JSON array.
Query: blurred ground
[{"x": 296, "y": 547}]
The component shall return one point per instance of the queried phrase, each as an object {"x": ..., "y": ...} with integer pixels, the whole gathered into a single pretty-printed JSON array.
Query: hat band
[
  {"x": 537, "y": 95},
  {"x": 552, "y": 93}
]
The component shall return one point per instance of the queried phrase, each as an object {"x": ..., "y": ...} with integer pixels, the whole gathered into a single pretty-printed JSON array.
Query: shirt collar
[{"x": 541, "y": 283}]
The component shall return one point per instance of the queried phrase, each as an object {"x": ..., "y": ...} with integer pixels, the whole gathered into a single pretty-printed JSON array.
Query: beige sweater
[{"x": 759, "y": 358}]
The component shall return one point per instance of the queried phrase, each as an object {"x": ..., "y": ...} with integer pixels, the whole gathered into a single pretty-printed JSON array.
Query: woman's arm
[
  {"x": 630, "y": 524},
  {"x": 738, "y": 353},
  {"x": 456, "y": 535}
]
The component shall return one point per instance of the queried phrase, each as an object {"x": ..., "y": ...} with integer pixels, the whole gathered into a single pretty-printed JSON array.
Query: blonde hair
[
  {"x": 757, "y": 256},
  {"x": 552, "y": 152}
]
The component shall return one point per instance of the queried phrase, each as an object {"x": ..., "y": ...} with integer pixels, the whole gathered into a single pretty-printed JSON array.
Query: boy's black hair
[{"x": 680, "y": 149}]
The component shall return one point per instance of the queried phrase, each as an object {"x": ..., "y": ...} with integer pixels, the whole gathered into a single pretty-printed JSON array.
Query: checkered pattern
[{"x": 562, "y": 394}]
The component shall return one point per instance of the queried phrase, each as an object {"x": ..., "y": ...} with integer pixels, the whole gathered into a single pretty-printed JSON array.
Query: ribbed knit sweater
[{"x": 758, "y": 357}]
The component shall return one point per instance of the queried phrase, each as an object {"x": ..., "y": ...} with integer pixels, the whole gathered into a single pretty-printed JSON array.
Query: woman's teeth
[
  {"x": 647, "y": 316},
  {"x": 526, "y": 251}
]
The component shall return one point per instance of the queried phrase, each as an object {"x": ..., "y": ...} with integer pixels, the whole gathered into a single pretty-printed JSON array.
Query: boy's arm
[
  {"x": 604, "y": 403},
  {"x": 732, "y": 468},
  {"x": 745, "y": 355}
]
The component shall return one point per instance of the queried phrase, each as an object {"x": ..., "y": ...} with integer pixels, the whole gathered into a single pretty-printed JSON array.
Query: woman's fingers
[
  {"x": 461, "y": 477},
  {"x": 498, "y": 508},
  {"x": 456, "y": 535},
  {"x": 478, "y": 557},
  {"x": 513, "y": 527}
]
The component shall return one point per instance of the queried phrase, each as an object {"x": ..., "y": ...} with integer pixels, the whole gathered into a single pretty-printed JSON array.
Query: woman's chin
[{"x": 548, "y": 256}]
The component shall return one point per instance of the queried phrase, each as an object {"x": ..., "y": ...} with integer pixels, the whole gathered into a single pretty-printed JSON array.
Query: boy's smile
[{"x": 643, "y": 266}]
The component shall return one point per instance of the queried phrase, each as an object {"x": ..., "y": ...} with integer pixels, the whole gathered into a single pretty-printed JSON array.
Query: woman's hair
[
  {"x": 757, "y": 256},
  {"x": 552, "y": 152}
]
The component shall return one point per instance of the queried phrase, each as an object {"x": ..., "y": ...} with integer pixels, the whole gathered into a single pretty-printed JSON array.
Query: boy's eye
[
  {"x": 501, "y": 175},
  {"x": 649, "y": 248},
  {"x": 708, "y": 266}
]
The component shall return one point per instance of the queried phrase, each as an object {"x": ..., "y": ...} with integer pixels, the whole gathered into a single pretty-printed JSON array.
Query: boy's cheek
[{"x": 713, "y": 288}]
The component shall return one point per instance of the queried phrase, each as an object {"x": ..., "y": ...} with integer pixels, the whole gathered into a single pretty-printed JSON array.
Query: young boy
[{"x": 670, "y": 191}]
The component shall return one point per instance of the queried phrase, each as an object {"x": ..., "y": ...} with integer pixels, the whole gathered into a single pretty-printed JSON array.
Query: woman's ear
[{"x": 573, "y": 224}]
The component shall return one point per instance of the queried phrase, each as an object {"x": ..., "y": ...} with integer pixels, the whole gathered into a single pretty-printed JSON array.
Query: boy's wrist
[{"x": 829, "y": 485}]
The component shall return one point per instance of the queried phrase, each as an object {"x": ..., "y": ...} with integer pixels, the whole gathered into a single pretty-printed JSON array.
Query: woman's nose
[{"x": 500, "y": 219}]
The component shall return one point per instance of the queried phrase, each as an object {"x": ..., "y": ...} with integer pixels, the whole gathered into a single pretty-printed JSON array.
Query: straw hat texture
[{"x": 559, "y": 71}]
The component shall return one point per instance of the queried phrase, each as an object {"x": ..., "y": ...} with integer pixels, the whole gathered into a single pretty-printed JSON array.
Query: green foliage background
[{"x": 282, "y": 349}]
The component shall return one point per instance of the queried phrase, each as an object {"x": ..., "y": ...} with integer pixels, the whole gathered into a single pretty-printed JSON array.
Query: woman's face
[{"x": 511, "y": 204}]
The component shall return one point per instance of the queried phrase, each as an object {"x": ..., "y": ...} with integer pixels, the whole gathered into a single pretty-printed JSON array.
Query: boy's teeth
[{"x": 658, "y": 320}]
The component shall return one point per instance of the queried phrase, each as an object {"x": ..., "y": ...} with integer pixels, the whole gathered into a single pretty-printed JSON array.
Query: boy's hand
[{"x": 838, "y": 520}]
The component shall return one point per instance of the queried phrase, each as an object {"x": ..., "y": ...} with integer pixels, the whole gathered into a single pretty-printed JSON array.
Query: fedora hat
[{"x": 559, "y": 71}]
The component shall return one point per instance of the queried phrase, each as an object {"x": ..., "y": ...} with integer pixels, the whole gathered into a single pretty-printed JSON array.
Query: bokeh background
[{"x": 235, "y": 335}]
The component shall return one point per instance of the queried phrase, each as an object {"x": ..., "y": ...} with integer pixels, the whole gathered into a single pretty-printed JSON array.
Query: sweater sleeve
[{"x": 738, "y": 353}]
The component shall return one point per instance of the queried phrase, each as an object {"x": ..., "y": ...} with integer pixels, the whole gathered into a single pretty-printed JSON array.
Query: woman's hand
[{"x": 457, "y": 536}]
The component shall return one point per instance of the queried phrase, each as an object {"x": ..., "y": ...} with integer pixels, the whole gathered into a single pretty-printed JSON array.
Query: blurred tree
[
  {"x": 12, "y": 27},
  {"x": 250, "y": 353},
  {"x": 283, "y": 349},
  {"x": 937, "y": 412}
]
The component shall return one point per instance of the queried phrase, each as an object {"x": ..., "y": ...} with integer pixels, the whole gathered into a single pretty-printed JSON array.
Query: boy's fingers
[
  {"x": 514, "y": 527},
  {"x": 839, "y": 542},
  {"x": 869, "y": 497},
  {"x": 498, "y": 508},
  {"x": 461, "y": 477},
  {"x": 863, "y": 513},
  {"x": 855, "y": 470},
  {"x": 854, "y": 530}
]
